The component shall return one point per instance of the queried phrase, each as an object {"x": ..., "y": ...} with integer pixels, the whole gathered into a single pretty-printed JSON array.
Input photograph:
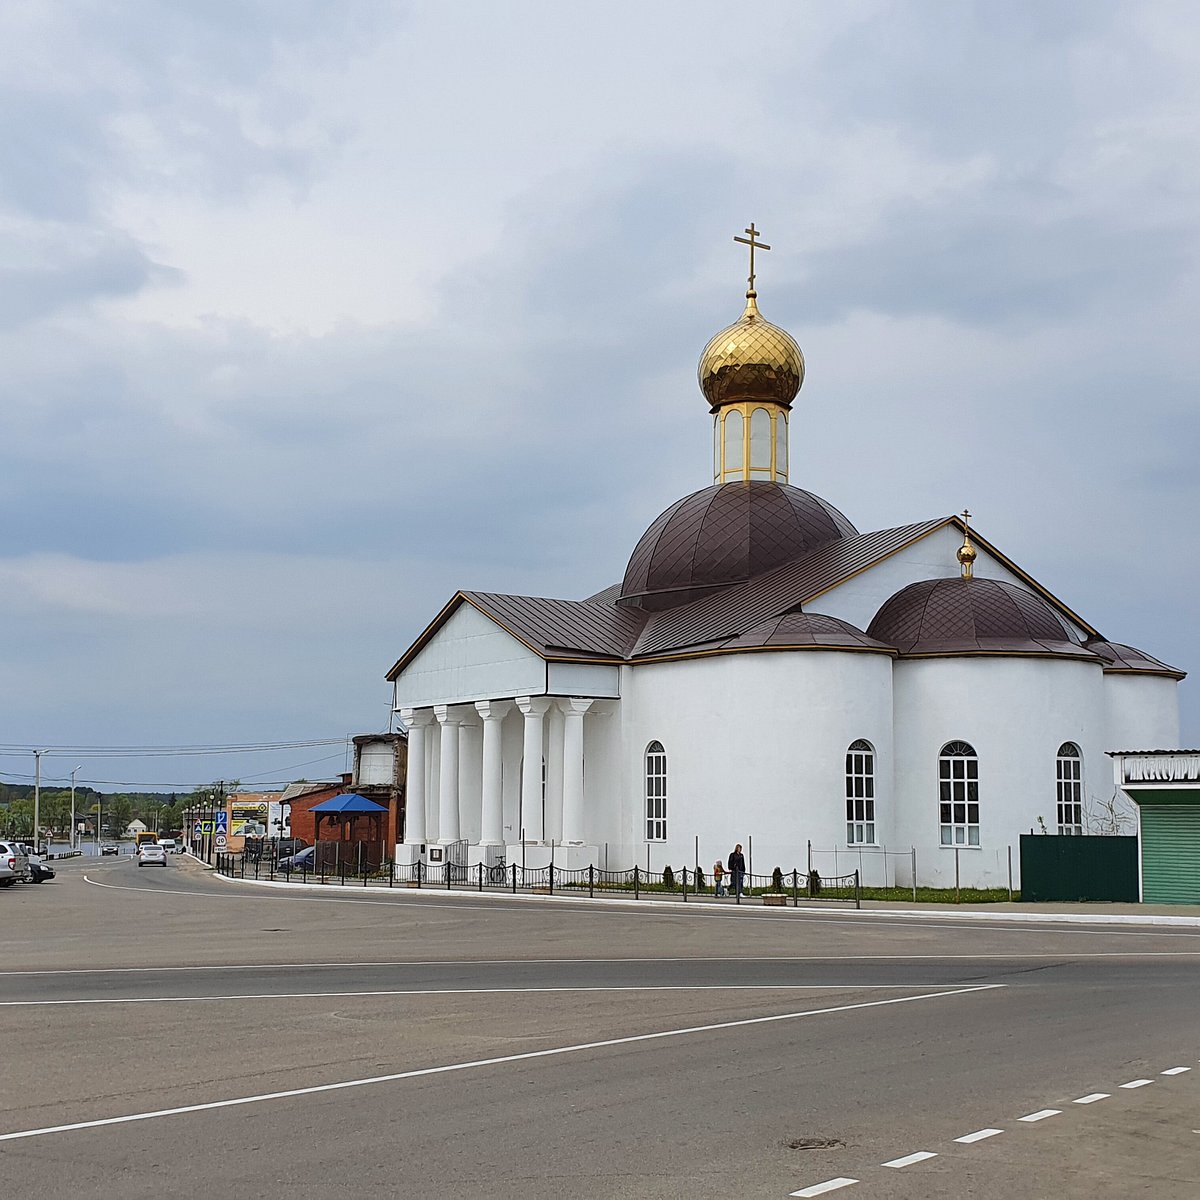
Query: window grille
[
  {"x": 656, "y": 793},
  {"x": 958, "y": 794},
  {"x": 860, "y": 794}
]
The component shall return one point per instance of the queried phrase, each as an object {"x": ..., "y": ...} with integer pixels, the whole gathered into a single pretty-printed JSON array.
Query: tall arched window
[
  {"x": 1070, "y": 789},
  {"x": 958, "y": 794},
  {"x": 860, "y": 794},
  {"x": 656, "y": 793},
  {"x": 760, "y": 444}
]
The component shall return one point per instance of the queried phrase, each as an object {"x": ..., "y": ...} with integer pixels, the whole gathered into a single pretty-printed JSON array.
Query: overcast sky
[{"x": 313, "y": 313}]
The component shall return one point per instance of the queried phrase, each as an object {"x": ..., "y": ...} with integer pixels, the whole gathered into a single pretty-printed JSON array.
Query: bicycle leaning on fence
[{"x": 498, "y": 871}]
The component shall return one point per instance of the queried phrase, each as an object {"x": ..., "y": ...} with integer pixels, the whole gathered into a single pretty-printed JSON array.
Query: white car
[
  {"x": 168, "y": 844},
  {"x": 152, "y": 854}
]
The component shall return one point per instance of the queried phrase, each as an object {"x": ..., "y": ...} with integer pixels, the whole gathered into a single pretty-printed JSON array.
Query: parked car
[
  {"x": 304, "y": 860},
  {"x": 14, "y": 863},
  {"x": 39, "y": 870},
  {"x": 151, "y": 854},
  {"x": 110, "y": 848}
]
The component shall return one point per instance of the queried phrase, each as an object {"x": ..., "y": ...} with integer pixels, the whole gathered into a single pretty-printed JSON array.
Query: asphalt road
[{"x": 165, "y": 1033}]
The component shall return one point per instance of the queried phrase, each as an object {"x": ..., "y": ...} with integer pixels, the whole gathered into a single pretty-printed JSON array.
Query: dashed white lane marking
[
  {"x": 1092, "y": 1097},
  {"x": 1137, "y": 1083},
  {"x": 1176, "y": 1070},
  {"x": 1042, "y": 1114},
  {"x": 819, "y": 1189},
  {"x": 447, "y": 1068},
  {"x": 978, "y": 1136},
  {"x": 909, "y": 1159}
]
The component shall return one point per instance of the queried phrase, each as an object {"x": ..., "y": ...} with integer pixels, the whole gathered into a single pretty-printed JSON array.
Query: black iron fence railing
[{"x": 778, "y": 888}]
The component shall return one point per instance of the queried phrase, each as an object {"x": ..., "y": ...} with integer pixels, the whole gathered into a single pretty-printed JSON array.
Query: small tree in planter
[
  {"x": 700, "y": 884},
  {"x": 777, "y": 880},
  {"x": 668, "y": 879}
]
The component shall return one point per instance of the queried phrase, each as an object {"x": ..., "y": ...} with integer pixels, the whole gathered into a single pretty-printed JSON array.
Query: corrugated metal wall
[{"x": 1171, "y": 854}]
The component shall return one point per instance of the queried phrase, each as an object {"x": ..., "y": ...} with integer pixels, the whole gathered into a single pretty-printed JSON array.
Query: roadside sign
[
  {"x": 206, "y": 827},
  {"x": 222, "y": 822},
  {"x": 198, "y": 829},
  {"x": 220, "y": 841}
]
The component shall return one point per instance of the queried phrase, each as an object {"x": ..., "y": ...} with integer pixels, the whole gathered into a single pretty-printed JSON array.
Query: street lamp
[
  {"x": 37, "y": 794},
  {"x": 73, "y": 773}
]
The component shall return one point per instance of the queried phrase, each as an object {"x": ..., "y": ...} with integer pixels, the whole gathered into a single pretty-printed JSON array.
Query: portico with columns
[{"x": 496, "y": 773}]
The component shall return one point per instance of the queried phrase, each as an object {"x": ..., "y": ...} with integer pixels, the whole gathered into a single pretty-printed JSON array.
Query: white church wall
[
  {"x": 1143, "y": 712},
  {"x": 583, "y": 679},
  {"x": 861, "y": 597},
  {"x": 1015, "y": 713},
  {"x": 469, "y": 658},
  {"x": 603, "y": 826},
  {"x": 756, "y": 747}
]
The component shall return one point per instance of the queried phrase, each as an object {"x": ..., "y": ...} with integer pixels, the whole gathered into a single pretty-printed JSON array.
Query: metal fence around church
[{"x": 348, "y": 868}]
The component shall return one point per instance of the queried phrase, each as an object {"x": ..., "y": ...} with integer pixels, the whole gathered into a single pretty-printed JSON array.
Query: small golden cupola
[
  {"x": 967, "y": 553},
  {"x": 750, "y": 373}
]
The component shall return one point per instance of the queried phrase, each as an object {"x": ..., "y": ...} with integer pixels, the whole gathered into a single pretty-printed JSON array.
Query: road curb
[{"x": 700, "y": 906}]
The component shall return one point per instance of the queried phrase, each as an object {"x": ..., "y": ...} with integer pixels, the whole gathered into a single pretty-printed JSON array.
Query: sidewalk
[{"x": 1180, "y": 915}]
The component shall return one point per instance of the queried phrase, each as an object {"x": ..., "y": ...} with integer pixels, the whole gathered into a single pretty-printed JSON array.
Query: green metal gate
[
  {"x": 1171, "y": 853},
  {"x": 1058, "y": 867}
]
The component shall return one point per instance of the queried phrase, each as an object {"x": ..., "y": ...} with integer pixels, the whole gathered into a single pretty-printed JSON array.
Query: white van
[{"x": 169, "y": 845}]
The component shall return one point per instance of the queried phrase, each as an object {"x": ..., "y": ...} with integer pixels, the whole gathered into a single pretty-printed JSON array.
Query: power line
[{"x": 11, "y": 751}]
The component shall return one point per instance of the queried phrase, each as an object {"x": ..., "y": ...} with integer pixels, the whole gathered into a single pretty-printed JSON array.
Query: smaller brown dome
[
  {"x": 806, "y": 631},
  {"x": 972, "y": 616},
  {"x": 1122, "y": 659}
]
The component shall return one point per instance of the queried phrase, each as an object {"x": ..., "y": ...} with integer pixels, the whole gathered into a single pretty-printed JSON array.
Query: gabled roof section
[
  {"x": 557, "y": 630},
  {"x": 739, "y": 608}
]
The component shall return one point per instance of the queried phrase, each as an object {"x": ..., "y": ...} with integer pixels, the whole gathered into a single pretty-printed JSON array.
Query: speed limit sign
[{"x": 220, "y": 841}]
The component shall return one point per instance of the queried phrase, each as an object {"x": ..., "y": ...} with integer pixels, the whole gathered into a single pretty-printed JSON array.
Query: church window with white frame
[
  {"x": 860, "y": 794},
  {"x": 1070, "y": 789},
  {"x": 656, "y": 793},
  {"x": 958, "y": 794}
]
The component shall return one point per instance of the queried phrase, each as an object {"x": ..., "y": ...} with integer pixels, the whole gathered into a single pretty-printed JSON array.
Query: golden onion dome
[{"x": 751, "y": 360}]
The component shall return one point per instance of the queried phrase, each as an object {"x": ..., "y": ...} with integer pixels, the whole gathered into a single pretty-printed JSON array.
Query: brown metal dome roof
[
  {"x": 806, "y": 631},
  {"x": 1119, "y": 658},
  {"x": 725, "y": 534},
  {"x": 972, "y": 616}
]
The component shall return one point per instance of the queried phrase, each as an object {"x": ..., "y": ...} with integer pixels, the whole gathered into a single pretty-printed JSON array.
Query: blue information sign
[{"x": 222, "y": 822}]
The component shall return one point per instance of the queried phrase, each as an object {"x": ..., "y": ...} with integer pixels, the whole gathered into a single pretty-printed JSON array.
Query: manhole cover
[{"x": 815, "y": 1143}]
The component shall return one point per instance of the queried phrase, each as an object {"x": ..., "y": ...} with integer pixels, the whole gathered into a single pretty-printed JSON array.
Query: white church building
[{"x": 765, "y": 673}]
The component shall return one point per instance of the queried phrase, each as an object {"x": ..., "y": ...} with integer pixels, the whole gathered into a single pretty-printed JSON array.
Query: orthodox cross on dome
[
  {"x": 754, "y": 244},
  {"x": 966, "y": 552}
]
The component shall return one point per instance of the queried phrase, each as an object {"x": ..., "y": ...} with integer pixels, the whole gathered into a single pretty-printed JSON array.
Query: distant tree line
[{"x": 164, "y": 812}]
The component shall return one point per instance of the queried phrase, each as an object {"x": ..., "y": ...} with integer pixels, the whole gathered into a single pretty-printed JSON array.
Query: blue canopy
[{"x": 348, "y": 802}]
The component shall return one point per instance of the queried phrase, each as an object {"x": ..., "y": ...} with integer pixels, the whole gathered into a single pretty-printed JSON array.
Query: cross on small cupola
[
  {"x": 966, "y": 552},
  {"x": 754, "y": 244}
]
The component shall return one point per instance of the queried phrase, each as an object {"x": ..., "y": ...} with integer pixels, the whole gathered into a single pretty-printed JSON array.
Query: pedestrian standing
[
  {"x": 737, "y": 869},
  {"x": 719, "y": 878}
]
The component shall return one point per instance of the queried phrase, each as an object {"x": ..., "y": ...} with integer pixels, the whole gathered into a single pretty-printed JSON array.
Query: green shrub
[
  {"x": 777, "y": 880},
  {"x": 668, "y": 877}
]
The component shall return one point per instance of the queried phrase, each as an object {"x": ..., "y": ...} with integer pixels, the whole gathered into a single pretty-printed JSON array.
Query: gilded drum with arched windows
[{"x": 751, "y": 360}]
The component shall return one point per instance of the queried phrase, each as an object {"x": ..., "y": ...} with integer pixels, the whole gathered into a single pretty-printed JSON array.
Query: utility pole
[
  {"x": 73, "y": 774},
  {"x": 37, "y": 795}
]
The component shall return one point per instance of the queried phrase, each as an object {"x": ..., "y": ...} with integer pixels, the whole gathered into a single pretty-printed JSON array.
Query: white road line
[
  {"x": 1042, "y": 1114},
  {"x": 909, "y": 1159},
  {"x": 1176, "y": 1070},
  {"x": 978, "y": 1136},
  {"x": 488, "y": 991},
  {"x": 1137, "y": 1083},
  {"x": 521, "y": 962},
  {"x": 819, "y": 1189},
  {"x": 1093, "y": 1097},
  {"x": 488, "y": 1062}
]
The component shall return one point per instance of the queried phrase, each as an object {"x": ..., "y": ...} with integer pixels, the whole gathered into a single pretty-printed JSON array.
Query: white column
[
  {"x": 417, "y": 720},
  {"x": 534, "y": 708},
  {"x": 448, "y": 775},
  {"x": 572, "y": 814},
  {"x": 493, "y": 713},
  {"x": 554, "y": 774}
]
